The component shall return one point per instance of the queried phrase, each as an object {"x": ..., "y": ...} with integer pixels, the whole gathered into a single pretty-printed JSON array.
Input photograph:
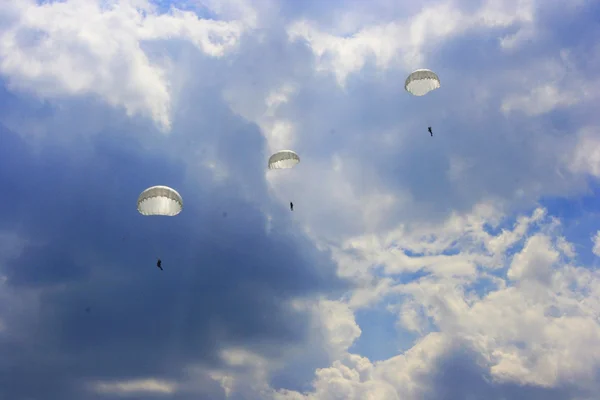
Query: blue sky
[{"x": 411, "y": 267}]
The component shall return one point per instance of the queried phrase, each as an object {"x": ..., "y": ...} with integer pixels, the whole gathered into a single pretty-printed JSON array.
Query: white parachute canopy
[
  {"x": 283, "y": 159},
  {"x": 160, "y": 200},
  {"x": 421, "y": 82}
]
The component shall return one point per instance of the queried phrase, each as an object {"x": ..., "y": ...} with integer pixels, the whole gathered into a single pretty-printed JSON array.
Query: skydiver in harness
[
  {"x": 291, "y": 206},
  {"x": 429, "y": 129},
  {"x": 159, "y": 264}
]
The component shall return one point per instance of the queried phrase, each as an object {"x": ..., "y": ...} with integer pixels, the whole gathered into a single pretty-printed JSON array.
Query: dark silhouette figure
[
  {"x": 88, "y": 309},
  {"x": 291, "y": 206},
  {"x": 159, "y": 264},
  {"x": 430, "y": 132}
]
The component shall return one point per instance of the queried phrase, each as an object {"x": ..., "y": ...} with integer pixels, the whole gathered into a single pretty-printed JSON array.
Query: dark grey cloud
[{"x": 105, "y": 310}]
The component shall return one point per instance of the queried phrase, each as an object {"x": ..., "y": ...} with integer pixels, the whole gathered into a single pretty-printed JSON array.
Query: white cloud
[
  {"x": 80, "y": 47},
  {"x": 244, "y": 371},
  {"x": 405, "y": 41},
  {"x": 356, "y": 377},
  {"x": 550, "y": 84},
  {"x": 332, "y": 323},
  {"x": 585, "y": 157},
  {"x": 136, "y": 386},
  {"x": 430, "y": 241},
  {"x": 540, "y": 100},
  {"x": 278, "y": 131},
  {"x": 542, "y": 331},
  {"x": 535, "y": 261},
  {"x": 340, "y": 327},
  {"x": 357, "y": 200},
  {"x": 596, "y": 240}
]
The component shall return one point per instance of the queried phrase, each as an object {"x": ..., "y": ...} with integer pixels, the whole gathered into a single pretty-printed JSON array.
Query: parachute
[
  {"x": 283, "y": 159},
  {"x": 160, "y": 200},
  {"x": 421, "y": 82}
]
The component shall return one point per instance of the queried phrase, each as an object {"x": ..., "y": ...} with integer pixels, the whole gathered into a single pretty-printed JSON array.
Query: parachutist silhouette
[
  {"x": 291, "y": 206},
  {"x": 429, "y": 129},
  {"x": 159, "y": 264}
]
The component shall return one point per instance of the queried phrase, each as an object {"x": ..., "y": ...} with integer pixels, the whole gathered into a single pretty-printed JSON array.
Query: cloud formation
[{"x": 490, "y": 286}]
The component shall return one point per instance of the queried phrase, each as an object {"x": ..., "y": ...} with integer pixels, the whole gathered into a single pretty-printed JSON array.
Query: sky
[{"x": 458, "y": 266}]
